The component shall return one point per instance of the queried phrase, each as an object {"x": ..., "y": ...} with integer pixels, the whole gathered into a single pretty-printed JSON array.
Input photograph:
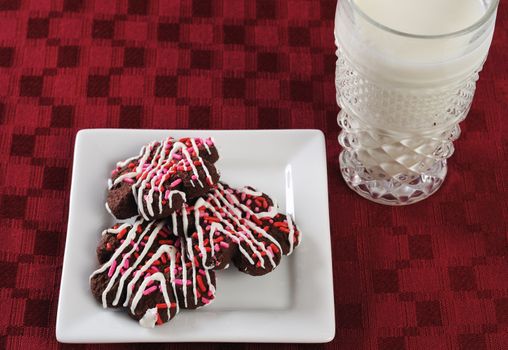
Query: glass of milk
[{"x": 406, "y": 75}]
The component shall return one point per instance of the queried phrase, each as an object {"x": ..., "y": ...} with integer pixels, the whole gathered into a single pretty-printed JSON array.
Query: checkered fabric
[{"x": 429, "y": 276}]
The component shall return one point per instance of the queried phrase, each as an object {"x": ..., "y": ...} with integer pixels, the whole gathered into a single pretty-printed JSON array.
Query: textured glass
[{"x": 393, "y": 158}]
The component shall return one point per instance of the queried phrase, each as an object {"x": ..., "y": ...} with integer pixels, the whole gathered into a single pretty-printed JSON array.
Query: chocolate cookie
[
  {"x": 146, "y": 269},
  {"x": 162, "y": 177},
  {"x": 238, "y": 225}
]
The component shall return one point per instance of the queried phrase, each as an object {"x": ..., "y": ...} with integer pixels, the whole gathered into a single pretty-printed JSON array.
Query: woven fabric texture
[{"x": 429, "y": 276}]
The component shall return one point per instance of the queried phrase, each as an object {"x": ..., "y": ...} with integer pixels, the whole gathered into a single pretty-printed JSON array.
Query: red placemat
[{"x": 430, "y": 276}]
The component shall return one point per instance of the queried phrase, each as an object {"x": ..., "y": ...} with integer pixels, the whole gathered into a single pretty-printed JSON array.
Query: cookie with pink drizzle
[
  {"x": 238, "y": 225},
  {"x": 146, "y": 269},
  {"x": 162, "y": 177}
]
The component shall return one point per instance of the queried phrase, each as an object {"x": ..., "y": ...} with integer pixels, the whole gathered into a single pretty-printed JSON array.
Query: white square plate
[{"x": 294, "y": 303}]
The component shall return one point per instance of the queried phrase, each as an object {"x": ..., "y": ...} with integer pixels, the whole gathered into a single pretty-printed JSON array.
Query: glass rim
[{"x": 486, "y": 16}]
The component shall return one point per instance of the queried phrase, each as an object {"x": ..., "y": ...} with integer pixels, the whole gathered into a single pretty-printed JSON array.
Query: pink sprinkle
[
  {"x": 201, "y": 271},
  {"x": 147, "y": 275},
  {"x": 155, "y": 268},
  {"x": 112, "y": 268},
  {"x": 216, "y": 247},
  {"x": 145, "y": 197},
  {"x": 208, "y": 227},
  {"x": 150, "y": 290},
  {"x": 243, "y": 196},
  {"x": 210, "y": 293},
  {"x": 179, "y": 282},
  {"x": 189, "y": 282},
  {"x": 175, "y": 183},
  {"x": 247, "y": 216},
  {"x": 177, "y": 156},
  {"x": 224, "y": 244},
  {"x": 142, "y": 244},
  {"x": 249, "y": 202},
  {"x": 256, "y": 209},
  {"x": 205, "y": 300},
  {"x": 114, "y": 172},
  {"x": 128, "y": 180},
  {"x": 180, "y": 269},
  {"x": 194, "y": 177},
  {"x": 209, "y": 142},
  {"x": 149, "y": 283},
  {"x": 166, "y": 195},
  {"x": 126, "y": 264}
]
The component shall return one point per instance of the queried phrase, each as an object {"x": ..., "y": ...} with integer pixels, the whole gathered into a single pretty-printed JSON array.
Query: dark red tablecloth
[{"x": 430, "y": 276}]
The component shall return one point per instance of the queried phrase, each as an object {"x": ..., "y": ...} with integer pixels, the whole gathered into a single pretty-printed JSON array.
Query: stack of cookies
[{"x": 177, "y": 225}]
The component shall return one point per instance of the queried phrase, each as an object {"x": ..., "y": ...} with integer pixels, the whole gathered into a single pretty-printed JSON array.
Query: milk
[
  {"x": 406, "y": 77},
  {"x": 424, "y": 17},
  {"x": 395, "y": 59}
]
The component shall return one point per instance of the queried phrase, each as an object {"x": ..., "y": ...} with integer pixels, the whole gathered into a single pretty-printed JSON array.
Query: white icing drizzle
[
  {"x": 149, "y": 318},
  {"x": 224, "y": 205},
  {"x": 158, "y": 276},
  {"x": 128, "y": 272},
  {"x": 171, "y": 154},
  {"x": 133, "y": 240}
]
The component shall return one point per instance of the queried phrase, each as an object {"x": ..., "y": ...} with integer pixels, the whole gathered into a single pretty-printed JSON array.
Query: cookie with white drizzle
[
  {"x": 146, "y": 269},
  {"x": 238, "y": 225},
  {"x": 162, "y": 177}
]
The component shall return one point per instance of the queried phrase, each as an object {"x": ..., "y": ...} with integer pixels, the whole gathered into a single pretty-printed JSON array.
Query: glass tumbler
[{"x": 402, "y": 97}]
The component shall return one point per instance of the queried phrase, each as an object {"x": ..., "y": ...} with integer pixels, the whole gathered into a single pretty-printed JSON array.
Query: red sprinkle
[
  {"x": 274, "y": 248},
  {"x": 121, "y": 233},
  {"x": 200, "y": 283},
  {"x": 166, "y": 241},
  {"x": 211, "y": 218},
  {"x": 108, "y": 246},
  {"x": 256, "y": 220}
]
